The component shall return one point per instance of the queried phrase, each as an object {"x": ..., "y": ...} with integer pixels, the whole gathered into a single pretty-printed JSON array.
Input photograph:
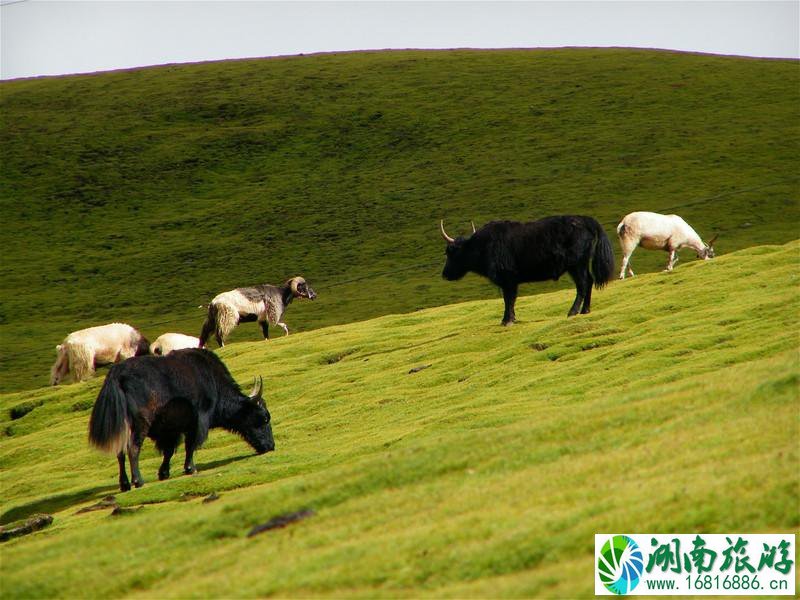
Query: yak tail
[
  {"x": 602, "y": 257},
  {"x": 109, "y": 425},
  {"x": 621, "y": 229}
]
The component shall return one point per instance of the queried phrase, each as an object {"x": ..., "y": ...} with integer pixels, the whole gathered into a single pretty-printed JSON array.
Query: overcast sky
[{"x": 57, "y": 37}]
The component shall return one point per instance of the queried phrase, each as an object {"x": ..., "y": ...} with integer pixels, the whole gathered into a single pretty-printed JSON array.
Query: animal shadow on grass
[
  {"x": 222, "y": 462},
  {"x": 53, "y": 504}
]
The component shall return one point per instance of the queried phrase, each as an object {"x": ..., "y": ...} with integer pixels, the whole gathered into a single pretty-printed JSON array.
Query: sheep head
[{"x": 300, "y": 289}]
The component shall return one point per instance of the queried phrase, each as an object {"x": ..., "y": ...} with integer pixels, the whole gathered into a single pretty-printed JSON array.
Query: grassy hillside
[
  {"x": 672, "y": 407},
  {"x": 138, "y": 195}
]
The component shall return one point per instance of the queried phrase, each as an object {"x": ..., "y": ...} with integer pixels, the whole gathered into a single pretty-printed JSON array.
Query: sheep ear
[{"x": 712, "y": 240}]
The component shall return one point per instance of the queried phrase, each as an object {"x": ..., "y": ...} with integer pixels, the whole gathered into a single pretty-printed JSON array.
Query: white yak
[
  {"x": 167, "y": 342},
  {"x": 659, "y": 232},
  {"x": 84, "y": 350}
]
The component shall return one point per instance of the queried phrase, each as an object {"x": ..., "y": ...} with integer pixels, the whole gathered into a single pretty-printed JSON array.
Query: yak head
[
  {"x": 300, "y": 289},
  {"x": 254, "y": 421},
  {"x": 460, "y": 255},
  {"x": 708, "y": 251}
]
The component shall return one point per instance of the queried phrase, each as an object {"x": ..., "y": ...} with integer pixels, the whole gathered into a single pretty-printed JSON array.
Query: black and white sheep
[{"x": 263, "y": 303}]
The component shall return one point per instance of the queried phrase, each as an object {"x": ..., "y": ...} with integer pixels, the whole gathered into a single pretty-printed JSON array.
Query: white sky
[{"x": 56, "y": 37}]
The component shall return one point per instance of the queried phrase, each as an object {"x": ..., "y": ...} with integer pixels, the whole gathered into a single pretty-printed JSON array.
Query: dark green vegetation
[
  {"x": 673, "y": 407},
  {"x": 137, "y": 195}
]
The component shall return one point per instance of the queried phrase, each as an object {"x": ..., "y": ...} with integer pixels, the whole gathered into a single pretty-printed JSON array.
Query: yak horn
[
  {"x": 712, "y": 240},
  {"x": 446, "y": 237},
  {"x": 258, "y": 384},
  {"x": 473, "y": 226}
]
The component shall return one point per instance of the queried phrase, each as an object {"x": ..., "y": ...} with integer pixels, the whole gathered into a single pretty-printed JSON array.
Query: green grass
[
  {"x": 138, "y": 195},
  {"x": 673, "y": 407}
]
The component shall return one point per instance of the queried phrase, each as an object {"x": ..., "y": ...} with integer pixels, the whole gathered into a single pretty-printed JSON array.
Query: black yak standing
[
  {"x": 509, "y": 253},
  {"x": 185, "y": 393}
]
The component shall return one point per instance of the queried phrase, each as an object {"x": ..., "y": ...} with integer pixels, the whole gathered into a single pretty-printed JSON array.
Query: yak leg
[
  {"x": 169, "y": 446},
  {"x": 218, "y": 337},
  {"x": 284, "y": 327},
  {"x": 510, "y": 298},
  {"x": 580, "y": 280},
  {"x": 628, "y": 246},
  {"x": 575, "y": 305},
  {"x": 587, "y": 300},
  {"x": 134, "y": 447},
  {"x": 626, "y": 264},
  {"x": 264, "y": 329},
  {"x": 163, "y": 470},
  {"x": 672, "y": 260},
  {"x": 188, "y": 463},
  {"x": 124, "y": 484}
]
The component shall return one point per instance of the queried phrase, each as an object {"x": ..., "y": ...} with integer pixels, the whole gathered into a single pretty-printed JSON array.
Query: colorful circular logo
[{"x": 620, "y": 564}]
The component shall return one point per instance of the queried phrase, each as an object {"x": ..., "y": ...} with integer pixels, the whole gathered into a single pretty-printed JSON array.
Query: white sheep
[
  {"x": 84, "y": 350},
  {"x": 167, "y": 342},
  {"x": 659, "y": 232}
]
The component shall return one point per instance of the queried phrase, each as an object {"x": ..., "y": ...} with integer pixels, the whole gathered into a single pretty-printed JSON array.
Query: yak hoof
[
  {"x": 137, "y": 483},
  {"x": 189, "y": 470},
  {"x": 508, "y": 323},
  {"x": 124, "y": 486},
  {"x": 162, "y": 475}
]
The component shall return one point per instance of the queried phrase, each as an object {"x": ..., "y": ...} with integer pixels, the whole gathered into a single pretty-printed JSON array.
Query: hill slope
[
  {"x": 672, "y": 407},
  {"x": 138, "y": 195}
]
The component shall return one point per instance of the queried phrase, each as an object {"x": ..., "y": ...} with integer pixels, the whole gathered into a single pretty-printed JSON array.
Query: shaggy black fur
[
  {"x": 183, "y": 394},
  {"x": 509, "y": 253}
]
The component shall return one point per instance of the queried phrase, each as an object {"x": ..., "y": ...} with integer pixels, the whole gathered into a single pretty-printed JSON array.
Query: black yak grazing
[
  {"x": 509, "y": 253},
  {"x": 185, "y": 393}
]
